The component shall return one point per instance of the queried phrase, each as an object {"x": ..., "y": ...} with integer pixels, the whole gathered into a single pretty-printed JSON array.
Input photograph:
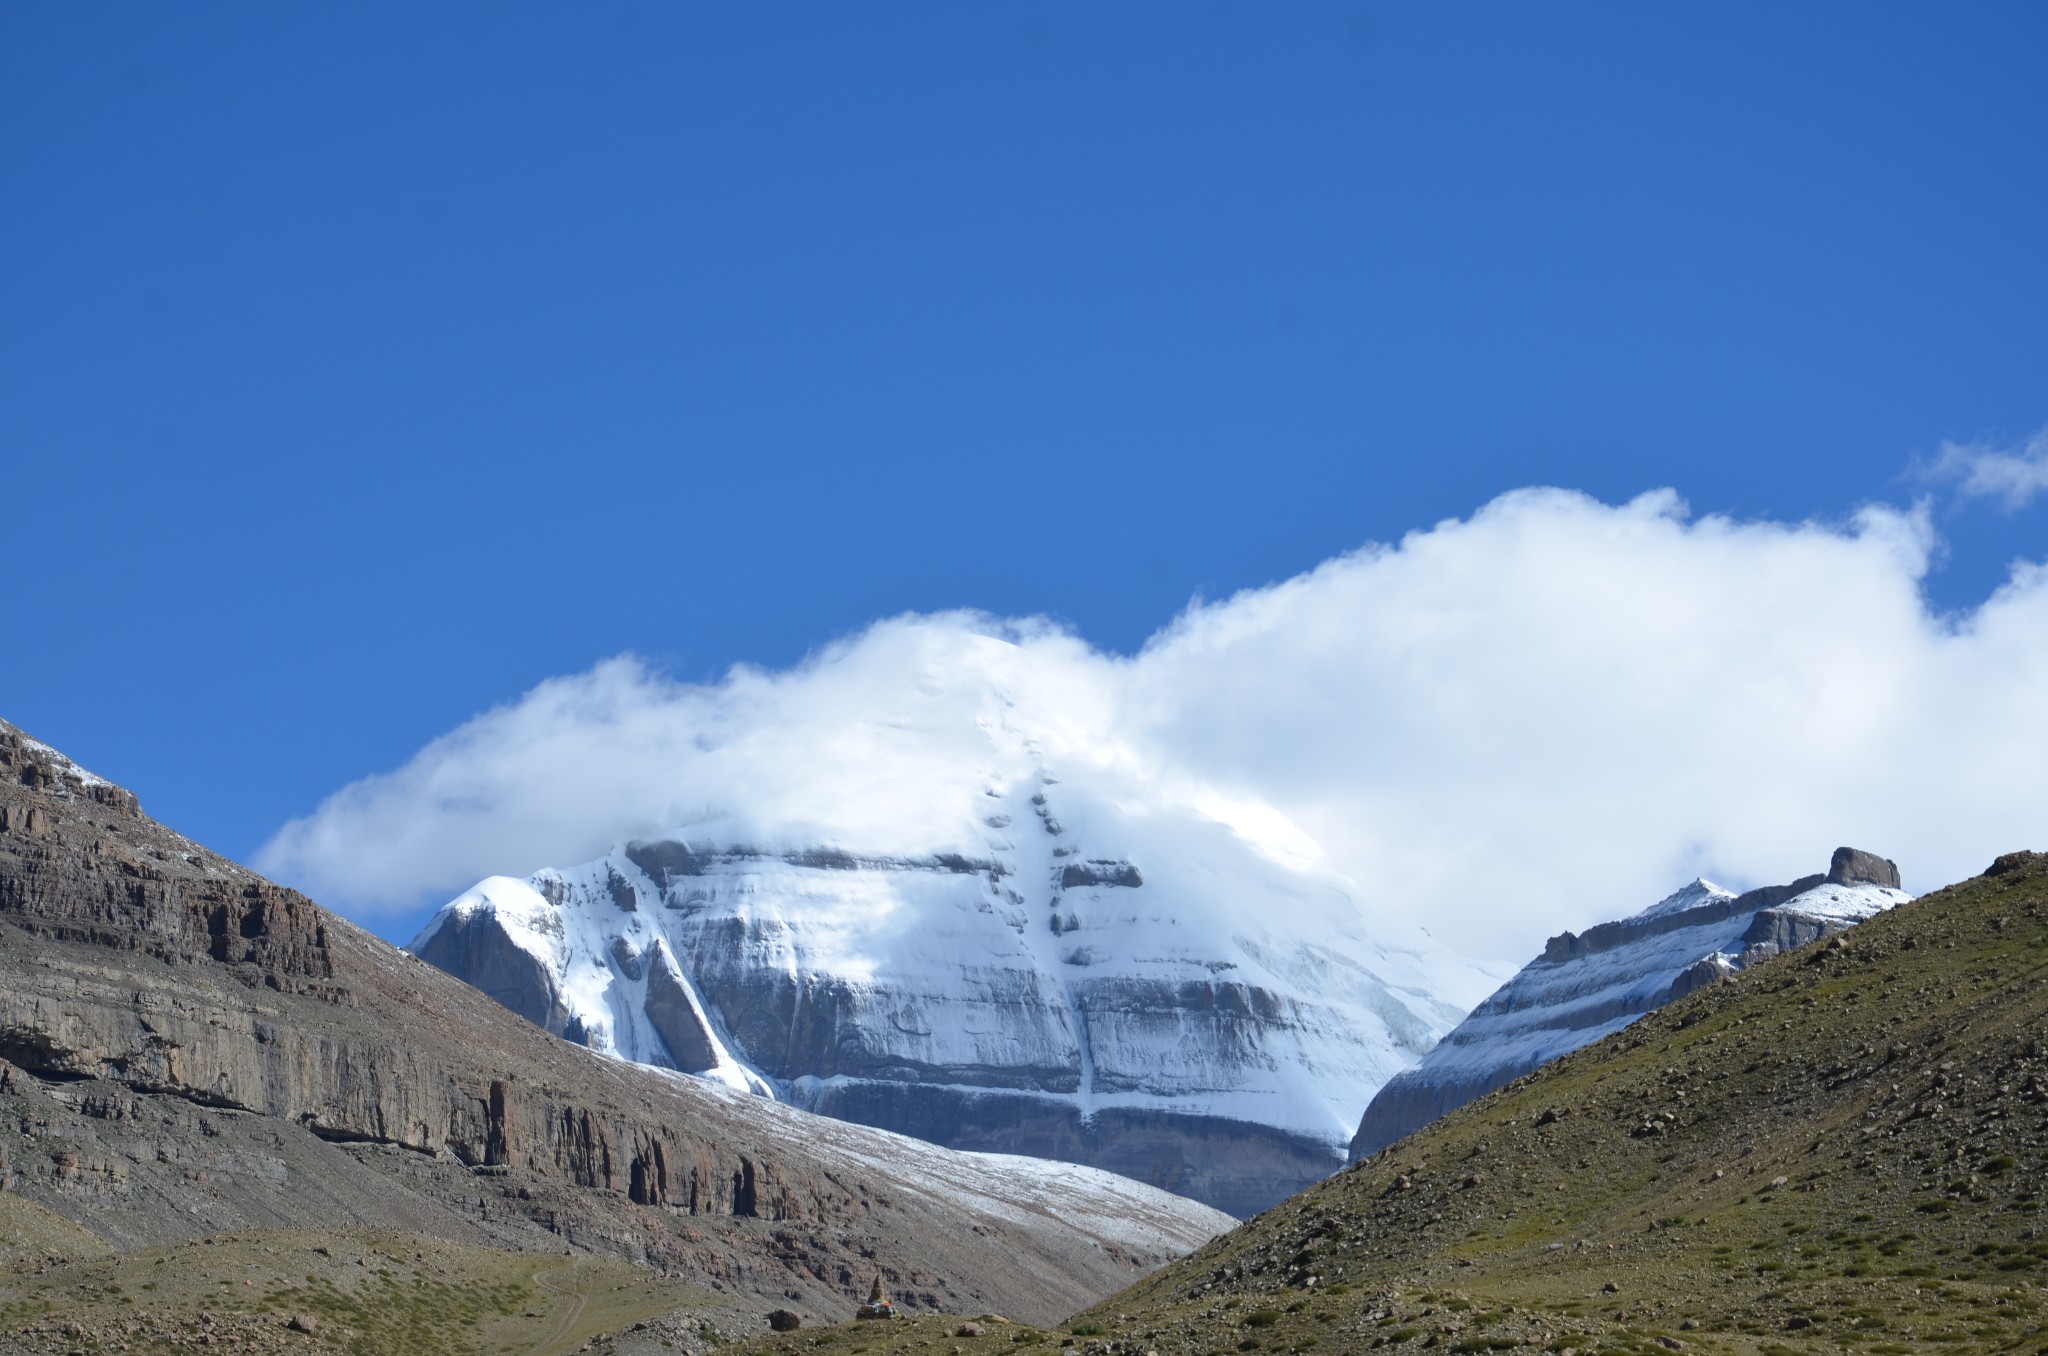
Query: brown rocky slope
[{"x": 190, "y": 1049}]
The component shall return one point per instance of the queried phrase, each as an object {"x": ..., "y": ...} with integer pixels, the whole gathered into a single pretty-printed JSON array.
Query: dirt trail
[{"x": 579, "y": 1301}]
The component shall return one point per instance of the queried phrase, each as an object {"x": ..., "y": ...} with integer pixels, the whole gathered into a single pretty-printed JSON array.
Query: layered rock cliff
[
  {"x": 186, "y": 1047},
  {"x": 1587, "y": 985},
  {"x": 1136, "y": 987}
]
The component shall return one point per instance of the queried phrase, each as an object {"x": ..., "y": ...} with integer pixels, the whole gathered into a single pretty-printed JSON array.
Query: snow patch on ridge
[
  {"x": 64, "y": 765},
  {"x": 1846, "y": 903},
  {"x": 1687, "y": 897}
]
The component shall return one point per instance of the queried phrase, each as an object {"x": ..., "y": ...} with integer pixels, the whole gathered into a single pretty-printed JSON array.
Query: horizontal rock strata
[
  {"x": 1585, "y": 986},
  {"x": 202, "y": 1049}
]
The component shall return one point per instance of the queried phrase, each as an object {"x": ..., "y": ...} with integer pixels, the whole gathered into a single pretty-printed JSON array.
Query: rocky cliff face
[
  {"x": 1141, "y": 990},
  {"x": 1587, "y": 985},
  {"x": 186, "y": 1047}
]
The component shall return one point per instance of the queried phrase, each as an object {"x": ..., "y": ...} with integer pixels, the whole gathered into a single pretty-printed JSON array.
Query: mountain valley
[
  {"x": 230, "y": 1119},
  {"x": 188, "y": 1052}
]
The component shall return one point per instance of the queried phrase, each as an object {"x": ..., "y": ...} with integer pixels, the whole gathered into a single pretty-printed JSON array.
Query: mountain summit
[{"x": 1132, "y": 983}]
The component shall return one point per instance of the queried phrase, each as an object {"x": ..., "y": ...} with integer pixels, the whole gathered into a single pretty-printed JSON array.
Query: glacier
[{"x": 1588, "y": 986}]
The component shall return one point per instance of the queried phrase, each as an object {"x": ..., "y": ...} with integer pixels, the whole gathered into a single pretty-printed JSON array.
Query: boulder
[{"x": 1853, "y": 866}]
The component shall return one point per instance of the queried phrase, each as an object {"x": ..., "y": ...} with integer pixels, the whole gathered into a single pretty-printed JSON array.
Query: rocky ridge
[
  {"x": 190, "y": 1049},
  {"x": 1587, "y": 986}
]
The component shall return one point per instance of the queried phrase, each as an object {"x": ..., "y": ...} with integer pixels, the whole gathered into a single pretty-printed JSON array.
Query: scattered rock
[{"x": 304, "y": 1323}]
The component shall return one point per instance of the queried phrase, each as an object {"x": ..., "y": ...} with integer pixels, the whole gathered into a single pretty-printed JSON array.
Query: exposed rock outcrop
[{"x": 1851, "y": 866}]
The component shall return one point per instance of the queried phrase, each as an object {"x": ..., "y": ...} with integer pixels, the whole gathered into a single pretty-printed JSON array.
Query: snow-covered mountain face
[
  {"x": 1129, "y": 983},
  {"x": 1587, "y": 986}
]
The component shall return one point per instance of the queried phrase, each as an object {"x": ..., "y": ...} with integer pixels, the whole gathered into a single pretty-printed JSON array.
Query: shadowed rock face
[
  {"x": 505, "y": 972},
  {"x": 675, "y": 1018},
  {"x": 1851, "y": 866},
  {"x": 1585, "y": 986},
  {"x": 196, "y": 1049}
]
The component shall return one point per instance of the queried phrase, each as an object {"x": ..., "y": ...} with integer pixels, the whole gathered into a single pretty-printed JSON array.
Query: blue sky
[{"x": 361, "y": 367}]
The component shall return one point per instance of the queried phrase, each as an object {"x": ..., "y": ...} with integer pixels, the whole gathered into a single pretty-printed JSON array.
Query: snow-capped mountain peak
[{"x": 1142, "y": 984}]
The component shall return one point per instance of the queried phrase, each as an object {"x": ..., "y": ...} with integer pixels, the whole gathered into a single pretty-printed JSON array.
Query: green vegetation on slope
[
  {"x": 326, "y": 1293},
  {"x": 1840, "y": 1150}
]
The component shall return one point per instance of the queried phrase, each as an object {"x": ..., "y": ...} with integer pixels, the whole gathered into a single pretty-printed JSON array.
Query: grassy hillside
[
  {"x": 1840, "y": 1150},
  {"x": 326, "y": 1293}
]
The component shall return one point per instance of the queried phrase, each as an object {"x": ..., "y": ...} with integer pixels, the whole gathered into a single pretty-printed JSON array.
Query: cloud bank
[{"x": 1535, "y": 718}]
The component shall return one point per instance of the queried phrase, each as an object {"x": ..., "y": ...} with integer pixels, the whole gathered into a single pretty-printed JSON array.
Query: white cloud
[
  {"x": 1984, "y": 471},
  {"x": 1543, "y": 715}
]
